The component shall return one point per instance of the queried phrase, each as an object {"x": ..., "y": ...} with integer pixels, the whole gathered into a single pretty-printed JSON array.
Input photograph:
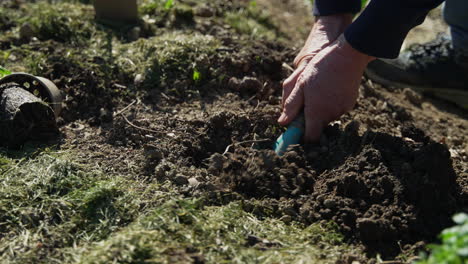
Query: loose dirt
[{"x": 390, "y": 174}]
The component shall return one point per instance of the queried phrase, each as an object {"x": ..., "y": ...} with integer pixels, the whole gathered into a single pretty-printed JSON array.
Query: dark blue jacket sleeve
[
  {"x": 331, "y": 7},
  {"x": 381, "y": 29}
]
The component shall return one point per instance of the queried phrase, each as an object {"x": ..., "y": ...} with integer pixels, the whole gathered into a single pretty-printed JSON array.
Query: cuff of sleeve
[
  {"x": 381, "y": 29},
  {"x": 333, "y": 7}
]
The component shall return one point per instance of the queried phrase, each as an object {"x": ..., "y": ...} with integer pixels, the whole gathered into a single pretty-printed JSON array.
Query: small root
[{"x": 244, "y": 142}]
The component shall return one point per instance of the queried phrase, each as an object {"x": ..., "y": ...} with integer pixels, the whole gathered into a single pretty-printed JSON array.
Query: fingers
[
  {"x": 314, "y": 125},
  {"x": 293, "y": 104},
  {"x": 290, "y": 83}
]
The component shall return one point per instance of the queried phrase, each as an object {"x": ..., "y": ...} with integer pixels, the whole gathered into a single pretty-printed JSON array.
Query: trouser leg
[{"x": 456, "y": 15}]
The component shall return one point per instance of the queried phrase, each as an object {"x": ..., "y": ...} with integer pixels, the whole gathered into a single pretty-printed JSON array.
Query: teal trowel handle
[{"x": 292, "y": 136}]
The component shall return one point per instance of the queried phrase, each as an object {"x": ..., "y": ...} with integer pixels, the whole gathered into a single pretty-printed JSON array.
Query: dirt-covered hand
[
  {"x": 325, "y": 31},
  {"x": 327, "y": 88}
]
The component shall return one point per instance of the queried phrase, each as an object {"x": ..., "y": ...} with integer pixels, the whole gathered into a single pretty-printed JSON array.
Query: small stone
[
  {"x": 26, "y": 31},
  {"x": 138, "y": 79},
  {"x": 329, "y": 203},
  {"x": 181, "y": 180},
  {"x": 193, "y": 182},
  {"x": 413, "y": 97}
]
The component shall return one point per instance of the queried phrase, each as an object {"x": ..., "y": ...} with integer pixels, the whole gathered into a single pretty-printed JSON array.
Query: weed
[
  {"x": 454, "y": 247},
  {"x": 196, "y": 76},
  {"x": 4, "y": 72},
  {"x": 168, "y": 4}
]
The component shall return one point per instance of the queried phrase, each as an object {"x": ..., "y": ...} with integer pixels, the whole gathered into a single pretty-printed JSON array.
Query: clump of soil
[
  {"x": 378, "y": 188},
  {"x": 263, "y": 174}
]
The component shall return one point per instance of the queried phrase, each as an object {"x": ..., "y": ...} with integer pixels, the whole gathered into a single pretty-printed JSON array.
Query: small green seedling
[
  {"x": 4, "y": 72},
  {"x": 169, "y": 4},
  {"x": 454, "y": 247},
  {"x": 196, "y": 76}
]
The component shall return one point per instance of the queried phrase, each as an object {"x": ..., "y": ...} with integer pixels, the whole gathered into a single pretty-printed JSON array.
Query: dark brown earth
[{"x": 390, "y": 173}]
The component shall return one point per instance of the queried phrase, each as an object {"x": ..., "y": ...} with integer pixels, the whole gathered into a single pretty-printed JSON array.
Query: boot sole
[{"x": 455, "y": 96}]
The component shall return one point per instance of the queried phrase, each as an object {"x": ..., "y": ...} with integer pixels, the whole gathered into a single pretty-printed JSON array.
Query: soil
[{"x": 390, "y": 173}]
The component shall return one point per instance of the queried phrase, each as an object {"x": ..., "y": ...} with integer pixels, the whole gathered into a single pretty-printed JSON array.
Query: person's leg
[
  {"x": 438, "y": 67},
  {"x": 456, "y": 15}
]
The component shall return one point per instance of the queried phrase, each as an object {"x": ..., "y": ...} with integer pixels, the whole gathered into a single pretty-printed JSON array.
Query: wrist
[
  {"x": 337, "y": 22},
  {"x": 352, "y": 53}
]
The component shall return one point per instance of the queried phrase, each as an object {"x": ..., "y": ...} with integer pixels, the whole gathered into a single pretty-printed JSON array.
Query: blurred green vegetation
[{"x": 454, "y": 246}]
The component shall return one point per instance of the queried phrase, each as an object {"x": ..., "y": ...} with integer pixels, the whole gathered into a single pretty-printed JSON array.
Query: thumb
[{"x": 293, "y": 104}]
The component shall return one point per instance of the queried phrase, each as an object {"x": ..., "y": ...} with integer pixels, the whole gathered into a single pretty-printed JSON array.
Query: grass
[
  {"x": 180, "y": 56},
  {"x": 49, "y": 204},
  {"x": 253, "y": 21},
  {"x": 184, "y": 230},
  {"x": 62, "y": 22},
  {"x": 54, "y": 211}
]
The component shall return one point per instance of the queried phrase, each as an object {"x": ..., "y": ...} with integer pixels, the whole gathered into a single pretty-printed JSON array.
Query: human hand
[
  {"x": 327, "y": 88},
  {"x": 325, "y": 31}
]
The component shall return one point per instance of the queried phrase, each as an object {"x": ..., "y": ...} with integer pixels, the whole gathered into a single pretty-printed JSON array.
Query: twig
[
  {"x": 287, "y": 67},
  {"x": 165, "y": 96},
  {"x": 125, "y": 108},
  {"x": 137, "y": 127},
  {"x": 243, "y": 142},
  {"x": 121, "y": 113}
]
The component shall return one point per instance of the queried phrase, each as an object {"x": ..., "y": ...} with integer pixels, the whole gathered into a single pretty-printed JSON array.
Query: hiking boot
[{"x": 433, "y": 68}]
